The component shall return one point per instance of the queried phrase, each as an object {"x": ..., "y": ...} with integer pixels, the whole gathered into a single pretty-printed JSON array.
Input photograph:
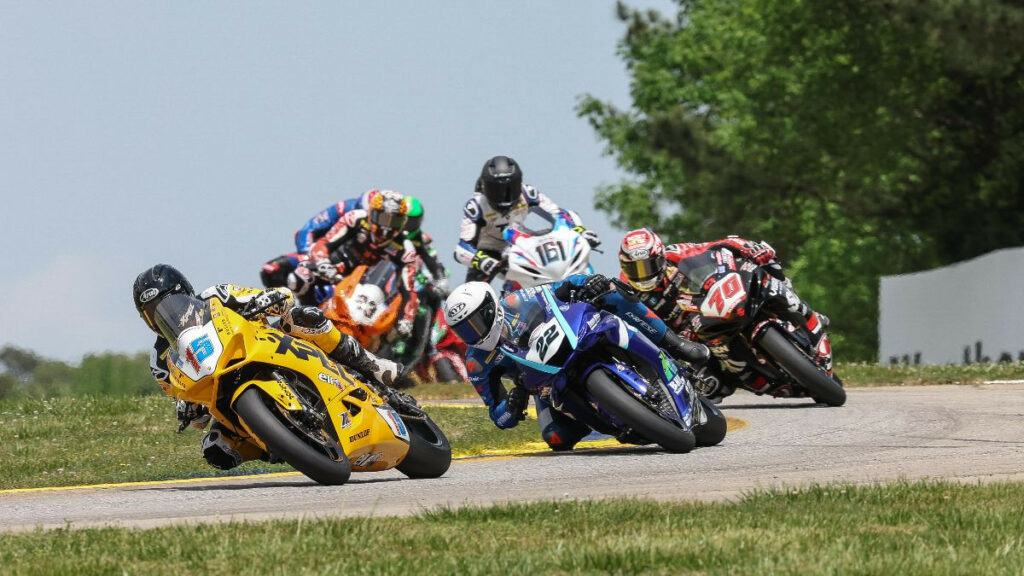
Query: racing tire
[
  {"x": 643, "y": 419},
  {"x": 430, "y": 454},
  {"x": 819, "y": 385},
  {"x": 445, "y": 371},
  {"x": 713, "y": 431},
  {"x": 283, "y": 443}
]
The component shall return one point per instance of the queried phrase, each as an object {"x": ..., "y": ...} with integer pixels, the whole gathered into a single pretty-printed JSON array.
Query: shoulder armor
[
  {"x": 531, "y": 194},
  {"x": 472, "y": 209},
  {"x": 354, "y": 216},
  {"x": 219, "y": 291}
]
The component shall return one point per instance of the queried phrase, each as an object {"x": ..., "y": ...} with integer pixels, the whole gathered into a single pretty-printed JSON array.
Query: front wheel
[
  {"x": 816, "y": 381},
  {"x": 282, "y": 441},
  {"x": 643, "y": 419},
  {"x": 430, "y": 454},
  {"x": 713, "y": 431}
]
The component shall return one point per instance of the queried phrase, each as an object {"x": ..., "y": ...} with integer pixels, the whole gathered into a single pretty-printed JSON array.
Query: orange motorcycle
[{"x": 365, "y": 304}]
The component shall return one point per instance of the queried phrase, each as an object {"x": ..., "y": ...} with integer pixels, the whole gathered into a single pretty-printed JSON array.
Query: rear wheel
[
  {"x": 445, "y": 371},
  {"x": 643, "y": 419},
  {"x": 816, "y": 381},
  {"x": 283, "y": 441},
  {"x": 429, "y": 455}
]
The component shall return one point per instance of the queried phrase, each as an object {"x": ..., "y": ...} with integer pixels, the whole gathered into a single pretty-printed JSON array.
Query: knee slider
[{"x": 305, "y": 321}]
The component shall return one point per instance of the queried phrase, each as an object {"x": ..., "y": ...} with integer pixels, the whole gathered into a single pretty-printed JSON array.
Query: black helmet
[
  {"x": 502, "y": 182},
  {"x": 153, "y": 285}
]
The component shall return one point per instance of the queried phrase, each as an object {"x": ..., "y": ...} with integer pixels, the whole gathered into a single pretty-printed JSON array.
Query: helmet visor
[
  {"x": 643, "y": 271},
  {"x": 502, "y": 195},
  {"x": 387, "y": 224},
  {"x": 478, "y": 324}
]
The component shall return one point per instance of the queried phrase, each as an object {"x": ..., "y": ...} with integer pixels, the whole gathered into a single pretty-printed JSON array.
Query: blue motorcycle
[{"x": 604, "y": 373}]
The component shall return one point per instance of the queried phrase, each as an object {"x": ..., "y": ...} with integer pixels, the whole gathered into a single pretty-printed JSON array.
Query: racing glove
[
  {"x": 488, "y": 264},
  {"x": 594, "y": 288},
  {"x": 270, "y": 302},
  {"x": 761, "y": 252},
  {"x": 404, "y": 328},
  {"x": 327, "y": 271},
  {"x": 512, "y": 410},
  {"x": 191, "y": 414},
  {"x": 589, "y": 235}
]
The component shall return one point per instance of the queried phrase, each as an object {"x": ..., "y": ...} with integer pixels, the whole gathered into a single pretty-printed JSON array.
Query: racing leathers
[
  {"x": 424, "y": 245},
  {"x": 433, "y": 289},
  {"x": 276, "y": 271},
  {"x": 487, "y": 368},
  {"x": 680, "y": 308},
  {"x": 222, "y": 448},
  {"x": 349, "y": 244},
  {"x": 481, "y": 244}
]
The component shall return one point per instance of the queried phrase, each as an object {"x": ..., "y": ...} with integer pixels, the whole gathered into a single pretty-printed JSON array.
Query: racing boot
[
  {"x": 349, "y": 352},
  {"x": 688, "y": 351},
  {"x": 309, "y": 323}
]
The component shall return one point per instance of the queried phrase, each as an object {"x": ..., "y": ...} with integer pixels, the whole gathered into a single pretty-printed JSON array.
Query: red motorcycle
[{"x": 732, "y": 305}]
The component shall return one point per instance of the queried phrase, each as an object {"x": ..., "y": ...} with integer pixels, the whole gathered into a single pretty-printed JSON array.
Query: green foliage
[
  {"x": 920, "y": 528},
  {"x": 25, "y": 374},
  {"x": 860, "y": 138}
]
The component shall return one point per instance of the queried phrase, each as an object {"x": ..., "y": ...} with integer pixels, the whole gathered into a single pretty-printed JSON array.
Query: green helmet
[{"x": 415, "y": 215}]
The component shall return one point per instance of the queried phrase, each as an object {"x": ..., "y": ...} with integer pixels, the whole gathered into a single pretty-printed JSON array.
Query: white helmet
[{"x": 474, "y": 313}]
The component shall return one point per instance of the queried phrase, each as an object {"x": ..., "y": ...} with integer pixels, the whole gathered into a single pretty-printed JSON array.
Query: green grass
[
  {"x": 868, "y": 374},
  {"x": 908, "y": 529},
  {"x": 68, "y": 441},
  {"x": 88, "y": 440},
  {"x": 445, "y": 391},
  {"x": 854, "y": 374}
]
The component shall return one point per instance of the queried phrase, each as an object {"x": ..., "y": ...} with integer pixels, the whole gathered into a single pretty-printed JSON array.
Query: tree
[{"x": 860, "y": 138}]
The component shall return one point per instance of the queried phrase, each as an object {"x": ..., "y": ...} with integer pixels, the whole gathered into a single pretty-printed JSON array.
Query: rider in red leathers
[
  {"x": 276, "y": 271},
  {"x": 366, "y": 237},
  {"x": 652, "y": 268}
]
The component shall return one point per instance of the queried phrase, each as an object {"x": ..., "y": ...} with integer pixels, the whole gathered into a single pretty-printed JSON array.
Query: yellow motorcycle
[{"x": 289, "y": 398}]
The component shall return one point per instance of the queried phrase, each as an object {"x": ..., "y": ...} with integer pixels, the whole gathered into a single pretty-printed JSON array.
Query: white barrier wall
[{"x": 972, "y": 311}]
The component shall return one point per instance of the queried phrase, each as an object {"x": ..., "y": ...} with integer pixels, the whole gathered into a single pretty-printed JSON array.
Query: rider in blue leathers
[
  {"x": 489, "y": 326},
  {"x": 275, "y": 272}
]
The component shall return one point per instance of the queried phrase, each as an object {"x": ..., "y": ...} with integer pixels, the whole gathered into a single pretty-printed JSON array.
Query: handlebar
[{"x": 252, "y": 308}]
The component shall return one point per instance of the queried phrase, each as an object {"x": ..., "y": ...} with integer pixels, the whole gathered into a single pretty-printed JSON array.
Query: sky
[{"x": 204, "y": 134}]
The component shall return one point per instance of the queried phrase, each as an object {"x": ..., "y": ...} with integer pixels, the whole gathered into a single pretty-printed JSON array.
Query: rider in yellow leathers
[{"x": 221, "y": 448}]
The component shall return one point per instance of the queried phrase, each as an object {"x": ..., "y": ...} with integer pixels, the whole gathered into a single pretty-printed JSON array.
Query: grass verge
[
  {"x": 87, "y": 440},
  {"x": 866, "y": 374},
  {"x": 907, "y": 528},
  {"x": 854, "y": 374}
]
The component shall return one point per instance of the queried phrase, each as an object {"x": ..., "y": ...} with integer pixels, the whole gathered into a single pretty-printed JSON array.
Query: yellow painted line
[
  {"x": 490, "y": 455},
  {"x": 734, "y": 424},
  {"x": 148, "y": 483}
]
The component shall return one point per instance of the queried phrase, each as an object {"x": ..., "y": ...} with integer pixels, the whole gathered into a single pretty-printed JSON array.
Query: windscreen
[
  {"x": 382, "y": 274},
  {"x": 179, "y": 312},
  {"x": 522, "y": 317},
  {"x": 696, "y": 269}
]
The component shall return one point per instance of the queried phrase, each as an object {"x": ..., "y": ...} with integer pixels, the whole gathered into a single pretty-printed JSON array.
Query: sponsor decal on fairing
[{"x": 394, "y": 422}]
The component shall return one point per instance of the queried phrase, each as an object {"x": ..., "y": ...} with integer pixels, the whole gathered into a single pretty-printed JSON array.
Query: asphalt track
[{"x": 965, "y": 433}]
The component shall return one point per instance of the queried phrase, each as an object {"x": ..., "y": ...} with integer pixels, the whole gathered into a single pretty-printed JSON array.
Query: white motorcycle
[{"x": 536, "y": 258}]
